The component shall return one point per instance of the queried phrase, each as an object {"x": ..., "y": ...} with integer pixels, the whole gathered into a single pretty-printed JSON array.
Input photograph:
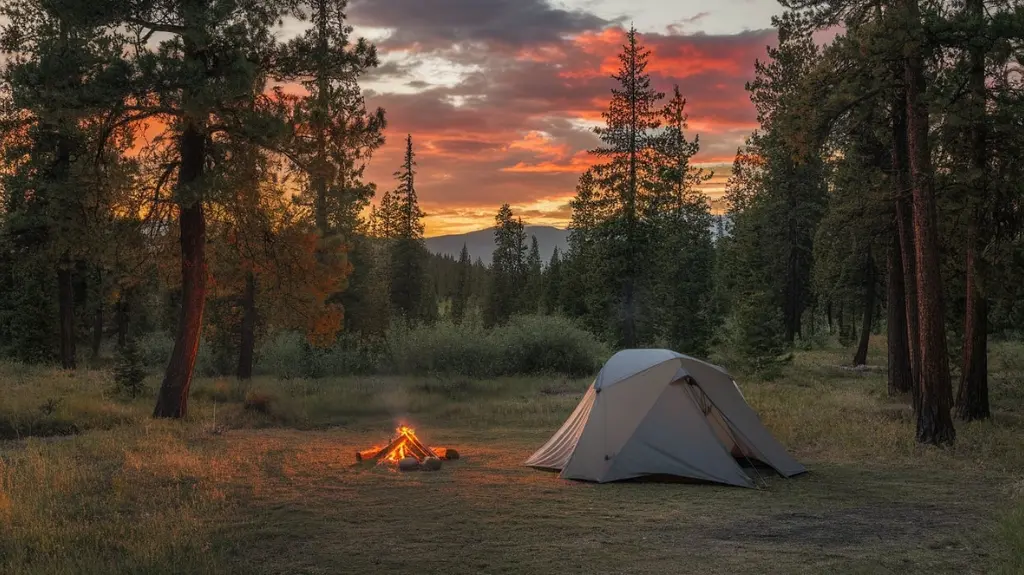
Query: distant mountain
[{"x": 481, "y": 243}]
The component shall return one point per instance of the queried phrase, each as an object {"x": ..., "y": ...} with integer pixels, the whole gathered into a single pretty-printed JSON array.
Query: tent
[{"x": 658, "y": 412}]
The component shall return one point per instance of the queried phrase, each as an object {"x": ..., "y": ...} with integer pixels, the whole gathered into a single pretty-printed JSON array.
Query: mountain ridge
[{"x": 480, "y": 243}]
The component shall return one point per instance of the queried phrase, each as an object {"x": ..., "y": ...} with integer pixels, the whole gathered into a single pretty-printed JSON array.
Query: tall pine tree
[
  {"x": 408, "y": 255},
  {"x": 464, "y": 287},
  {"x": 508, "y": 268}
]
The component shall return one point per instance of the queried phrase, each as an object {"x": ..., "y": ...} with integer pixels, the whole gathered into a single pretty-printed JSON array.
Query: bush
[
  {"x": 129, "y": 373},
  {"x": 547, "y": 344},
  {"x": 155, "y": 350},
  {"x": 288, "y": 355},
  {"x": 281, "y": 355},
  {"x": 754, "y": 341},
  {"x": 525, "y": 345}
]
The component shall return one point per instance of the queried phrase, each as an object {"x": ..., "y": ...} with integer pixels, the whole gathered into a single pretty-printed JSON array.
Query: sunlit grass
[{"x": 262, "y": 479}]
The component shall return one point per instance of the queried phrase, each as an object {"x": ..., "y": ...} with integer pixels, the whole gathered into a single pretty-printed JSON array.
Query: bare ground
[{"x": 314, "y": 512}]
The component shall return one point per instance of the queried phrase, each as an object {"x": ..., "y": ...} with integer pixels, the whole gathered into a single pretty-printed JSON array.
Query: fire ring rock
[
  {"x": 408, "y": 464},
  {"x": 431, "y": 464}
]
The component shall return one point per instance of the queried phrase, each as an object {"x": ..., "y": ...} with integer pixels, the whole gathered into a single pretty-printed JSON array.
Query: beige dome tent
[{"x": 658, "y": 412}]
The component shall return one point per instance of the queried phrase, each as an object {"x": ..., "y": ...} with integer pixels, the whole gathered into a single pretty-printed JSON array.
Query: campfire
[{"x": 408, "y": 452}]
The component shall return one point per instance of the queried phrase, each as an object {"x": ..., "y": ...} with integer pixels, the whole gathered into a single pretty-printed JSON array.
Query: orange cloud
[{"x": 515, "y": 127}]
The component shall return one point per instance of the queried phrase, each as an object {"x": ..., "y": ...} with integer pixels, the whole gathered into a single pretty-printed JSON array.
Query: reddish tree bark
[
  {"x": 934, "y": 421},
  {"x": 900, "y": 375},
  {"x": 173, "y": 398},
  {"x": 905, "y": 233},
  {"x": 972, "y": 397},
  {"x": 861, "y": 356},
  {"x": 247, "y": 345}
]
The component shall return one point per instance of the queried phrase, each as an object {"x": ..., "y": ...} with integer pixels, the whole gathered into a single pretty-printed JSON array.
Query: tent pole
[{"x": 732, "y": 431}]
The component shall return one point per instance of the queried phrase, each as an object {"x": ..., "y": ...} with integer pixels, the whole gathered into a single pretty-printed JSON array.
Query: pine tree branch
[{"x": 154, "y": 27}]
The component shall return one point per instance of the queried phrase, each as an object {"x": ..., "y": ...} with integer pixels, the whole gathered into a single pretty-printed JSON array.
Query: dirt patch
[{"x": 854, "y": 526}]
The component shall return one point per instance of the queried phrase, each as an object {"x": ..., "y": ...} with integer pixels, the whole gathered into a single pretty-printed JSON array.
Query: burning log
[{"x": 408, "y": 452}]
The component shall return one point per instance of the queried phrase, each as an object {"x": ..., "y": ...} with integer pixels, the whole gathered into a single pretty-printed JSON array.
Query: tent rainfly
[{"x": 658, "y": 412}]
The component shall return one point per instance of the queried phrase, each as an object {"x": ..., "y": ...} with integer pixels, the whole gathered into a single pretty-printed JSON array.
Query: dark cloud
[
  {"x": 438, "y": 23},
  {"x": 389, "y": 69}
]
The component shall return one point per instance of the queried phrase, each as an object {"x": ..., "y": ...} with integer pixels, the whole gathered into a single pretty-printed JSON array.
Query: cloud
[
  {"x": 442, "y": 23},
  {"x": 501, "y": 97}
]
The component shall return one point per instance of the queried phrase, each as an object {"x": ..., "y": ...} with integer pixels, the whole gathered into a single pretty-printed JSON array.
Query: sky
[{"x": 501, "y": 96}]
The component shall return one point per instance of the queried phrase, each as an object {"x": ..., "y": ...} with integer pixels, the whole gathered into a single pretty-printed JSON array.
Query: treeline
[
  {"x": 162, "y": 175},
  {"x": 884, "y": 179},
  {"x": 158, "y": 174},
  {"x": 159, "y": 177}
]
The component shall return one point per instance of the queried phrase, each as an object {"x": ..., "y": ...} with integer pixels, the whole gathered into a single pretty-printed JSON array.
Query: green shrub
[
  {"x": 441, "y": 348},
  {"x": 129, "y": 372},
  {"x": 547, "y": 344},
  {"x": 288, "y": 355},
  {"x": 155, "y": 351},
  {"x": 281, "y": 355},
  {"x": 524, "y": 345},
  {"x": 753, "y": 341}
]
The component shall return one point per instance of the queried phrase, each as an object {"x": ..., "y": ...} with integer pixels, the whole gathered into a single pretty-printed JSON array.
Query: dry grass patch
[{"x": 277, "y": 490}]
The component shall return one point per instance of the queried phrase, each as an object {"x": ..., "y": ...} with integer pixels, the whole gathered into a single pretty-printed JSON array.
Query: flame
[{"x": 405, "y": 444}]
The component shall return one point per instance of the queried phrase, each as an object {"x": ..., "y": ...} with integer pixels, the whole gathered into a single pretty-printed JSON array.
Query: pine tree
[
  {"x": 464, "y": 287},
  {"x": 408, "y": 253},
  {"x": 906, "y": 44},
  {"x": 340, "y": 135},
  {"x": 681, "y": 222},
  {"x": 508, "y": 268},
  {"x": 336, "y": 138},
  {"x": 210, "y": 105},
  {"x": 624, "y": 180},
  {"x": 584, "y": 294},
  {"x": 66, "y": 91},
  {"x": 534, "y": 278},
  {"x": 553, "y": 284},
  {"x": 129, "y": 371}
]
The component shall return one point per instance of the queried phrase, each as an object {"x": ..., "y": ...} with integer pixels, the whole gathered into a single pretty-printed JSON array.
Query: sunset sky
[{"x": 500, "y": 95}]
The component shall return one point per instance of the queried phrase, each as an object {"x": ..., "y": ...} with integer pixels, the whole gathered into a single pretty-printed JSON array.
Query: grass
[{"x": 262, "y": 479}]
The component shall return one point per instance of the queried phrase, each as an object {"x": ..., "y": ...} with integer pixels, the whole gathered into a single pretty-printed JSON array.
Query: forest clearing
[
  {"x": 226, "y": 345},
  {"x": 236, "y": 490}
]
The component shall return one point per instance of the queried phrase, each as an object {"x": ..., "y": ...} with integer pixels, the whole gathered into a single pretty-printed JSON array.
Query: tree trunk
[
  {"x": 66, "y": 295},
  {"x": 934, "y": 421},
  {"x": 248, "y": 336},
  {"x": 98, "y": 319},
  {"x": 322, "y": 166},
  {"x": 828, "y": 316},
  {"x": 861, "y": 357},
  {"x": 173, "y": 397},
  {"x": 97, "y": 330},
  {"x": 905, "y": 231},
  {"x": 122, "y": 317},
  {"x": 972, "y": 397},
  {"x": 901, "y": 379}
]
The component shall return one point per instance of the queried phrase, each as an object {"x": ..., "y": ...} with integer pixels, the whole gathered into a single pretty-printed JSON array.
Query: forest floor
[{"x": 264, "y": 480}]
